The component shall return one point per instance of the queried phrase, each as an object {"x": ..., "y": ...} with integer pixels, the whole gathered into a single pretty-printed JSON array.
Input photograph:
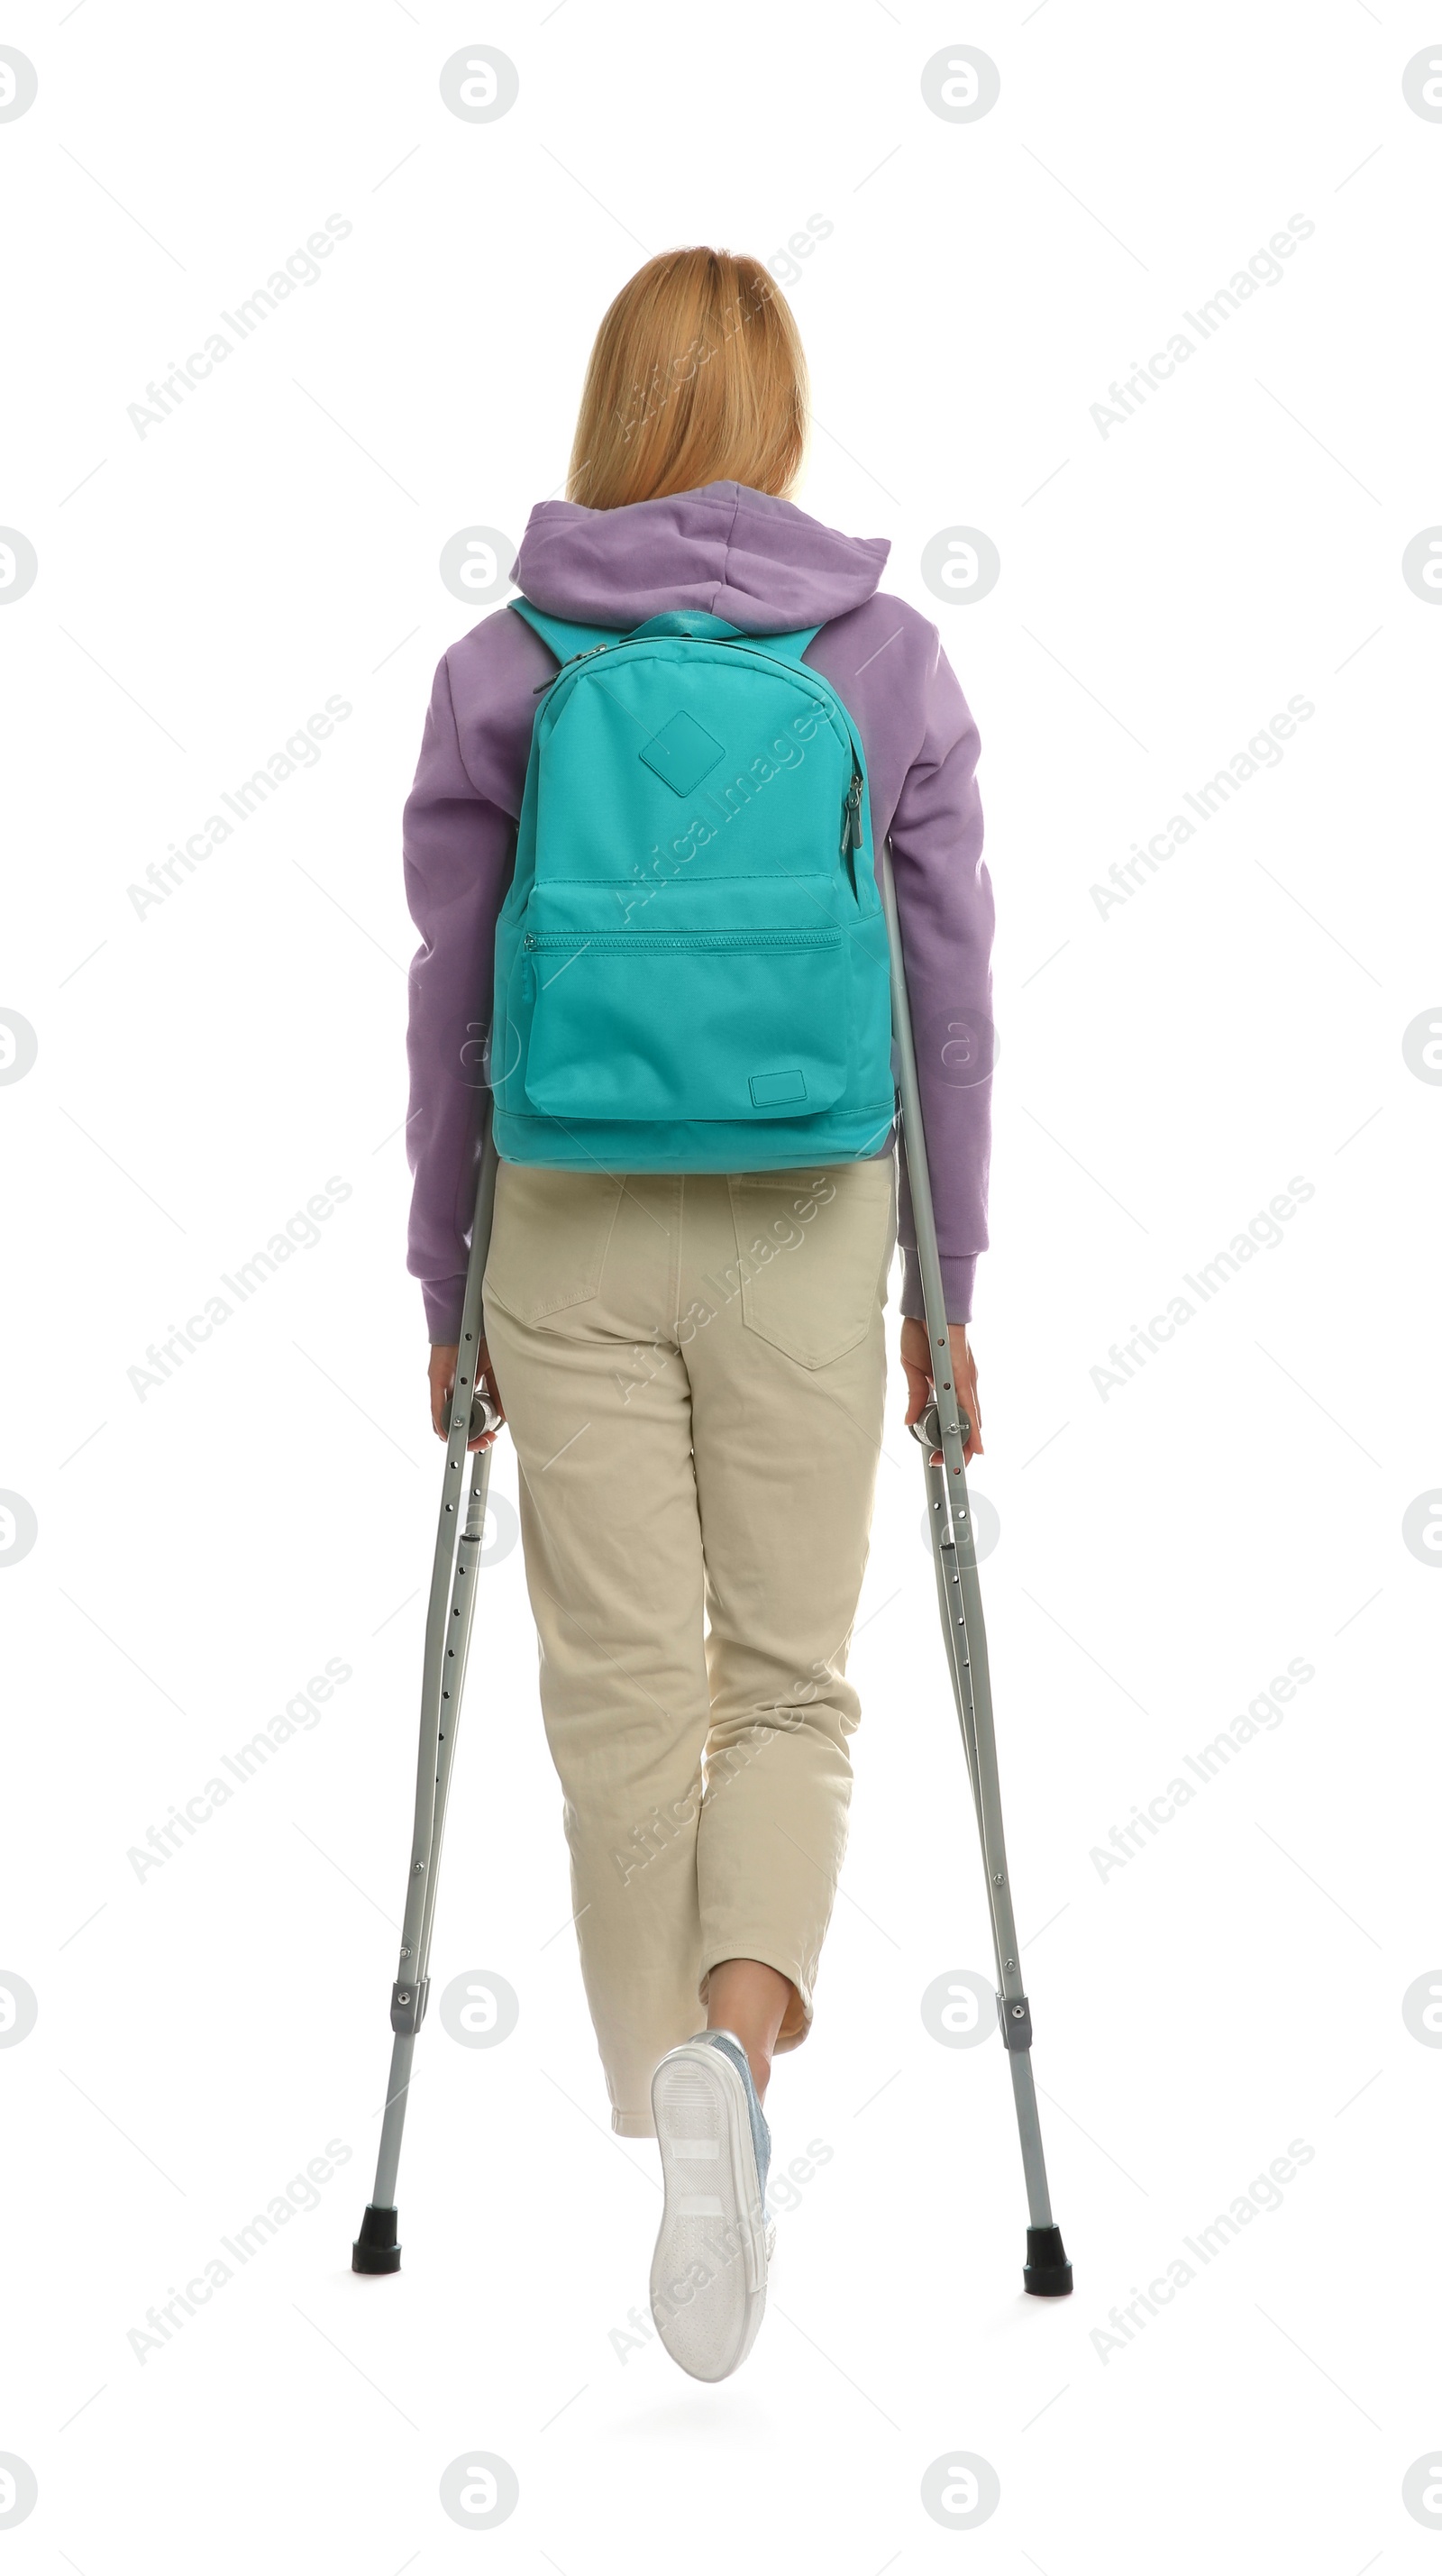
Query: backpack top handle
[{"x": 567, "y": 639}]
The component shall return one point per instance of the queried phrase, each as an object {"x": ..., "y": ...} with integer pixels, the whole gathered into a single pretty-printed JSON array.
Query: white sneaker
[{"x": 713, "y": 2253}]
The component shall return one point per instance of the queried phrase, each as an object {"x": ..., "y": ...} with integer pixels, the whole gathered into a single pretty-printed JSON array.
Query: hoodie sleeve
[
  {"x": 457, "y": 850},
  {"x": 944, "y": 900}
]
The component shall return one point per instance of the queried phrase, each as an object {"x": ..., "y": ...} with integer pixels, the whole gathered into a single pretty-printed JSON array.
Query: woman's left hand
[{"x": 916, "y": 1360}]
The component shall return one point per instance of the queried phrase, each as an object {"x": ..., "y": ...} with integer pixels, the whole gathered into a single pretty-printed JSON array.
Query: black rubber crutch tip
[
  {"x": 375, "y": 2249},
  {"x": 1047, "y": 2273}
]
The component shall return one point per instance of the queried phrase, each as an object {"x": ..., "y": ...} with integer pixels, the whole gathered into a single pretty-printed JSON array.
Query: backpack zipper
[
  {"x": 627, "y": 939},
  {"x": 590, "y": 650},
  {"x": 851, "y": 816}
]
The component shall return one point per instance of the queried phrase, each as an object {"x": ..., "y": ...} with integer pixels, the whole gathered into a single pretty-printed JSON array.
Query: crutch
[
  {"x": 1046, "y": 2274},
  {"x": 459, "y": 1540}
]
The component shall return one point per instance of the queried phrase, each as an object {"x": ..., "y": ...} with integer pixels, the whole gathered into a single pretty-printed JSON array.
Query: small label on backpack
[{"x": 770, "y": 1090}]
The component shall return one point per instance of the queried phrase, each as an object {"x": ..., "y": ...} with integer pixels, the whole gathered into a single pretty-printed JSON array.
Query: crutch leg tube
[
  {"x": 1046, "y": 2274},
  {"x": 454, "y": 1573}
]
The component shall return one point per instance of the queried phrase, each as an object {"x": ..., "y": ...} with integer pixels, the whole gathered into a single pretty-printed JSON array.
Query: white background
[{"x": 205, "y": 1067}]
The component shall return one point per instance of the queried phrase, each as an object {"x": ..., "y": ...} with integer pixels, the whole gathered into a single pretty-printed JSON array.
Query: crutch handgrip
[{"x": 927, "y": 1427}]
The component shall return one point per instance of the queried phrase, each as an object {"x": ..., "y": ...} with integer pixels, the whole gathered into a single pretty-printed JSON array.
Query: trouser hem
[{"x": 797, "y": 2018}]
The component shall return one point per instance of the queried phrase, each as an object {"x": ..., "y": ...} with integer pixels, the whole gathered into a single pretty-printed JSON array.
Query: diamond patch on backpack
[{"x": 682, "y": 752}]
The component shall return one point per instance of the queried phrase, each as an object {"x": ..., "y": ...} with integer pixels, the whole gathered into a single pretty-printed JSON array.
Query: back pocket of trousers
[
  {"x": 814, "y": 1250},
  {"x": 548, "y": 1238}
]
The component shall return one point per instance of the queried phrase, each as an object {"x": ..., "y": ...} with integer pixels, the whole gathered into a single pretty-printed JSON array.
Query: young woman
[{"x": 697, "y": 1433}]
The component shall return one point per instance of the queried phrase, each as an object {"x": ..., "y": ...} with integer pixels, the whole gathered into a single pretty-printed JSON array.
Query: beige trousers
[{"x": 692, "y": 1369}]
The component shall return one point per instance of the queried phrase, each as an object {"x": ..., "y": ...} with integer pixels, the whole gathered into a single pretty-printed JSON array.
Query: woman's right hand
[{"x": 443, "y": 1380}]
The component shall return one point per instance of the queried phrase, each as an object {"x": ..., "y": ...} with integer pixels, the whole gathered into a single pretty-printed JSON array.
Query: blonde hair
[{"x": 697, "y": 376}]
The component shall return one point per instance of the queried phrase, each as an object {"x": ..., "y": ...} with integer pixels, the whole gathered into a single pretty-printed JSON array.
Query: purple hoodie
[{"x": 765, "y": 566}]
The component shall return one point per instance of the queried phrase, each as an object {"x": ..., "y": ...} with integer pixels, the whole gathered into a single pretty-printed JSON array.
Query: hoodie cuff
[
  {"x": 958, "y": 1278},
  {"x": 444, "y": 1300}
]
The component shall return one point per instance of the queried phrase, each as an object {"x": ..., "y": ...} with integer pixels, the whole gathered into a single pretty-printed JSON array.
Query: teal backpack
[{"x": 691, "y": 960}]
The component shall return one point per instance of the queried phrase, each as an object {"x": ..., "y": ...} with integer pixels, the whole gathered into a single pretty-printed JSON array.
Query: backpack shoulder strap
[{"x": 564, "y": 638}]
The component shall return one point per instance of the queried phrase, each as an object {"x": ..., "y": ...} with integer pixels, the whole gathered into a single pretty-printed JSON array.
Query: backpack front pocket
[{"x": 686, "y": 1024}]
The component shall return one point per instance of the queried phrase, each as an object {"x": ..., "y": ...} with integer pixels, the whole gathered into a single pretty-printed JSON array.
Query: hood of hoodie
[{"x": 740, "y": 554}]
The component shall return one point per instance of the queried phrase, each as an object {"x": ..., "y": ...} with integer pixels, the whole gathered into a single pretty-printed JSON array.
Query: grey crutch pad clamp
[
  {"x": 1046, "y": 2273},
  {"x": 408, "y": 2004},
  {"x": 1014, "y": 2014},
  {"x": 375, "y": 2249}
]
